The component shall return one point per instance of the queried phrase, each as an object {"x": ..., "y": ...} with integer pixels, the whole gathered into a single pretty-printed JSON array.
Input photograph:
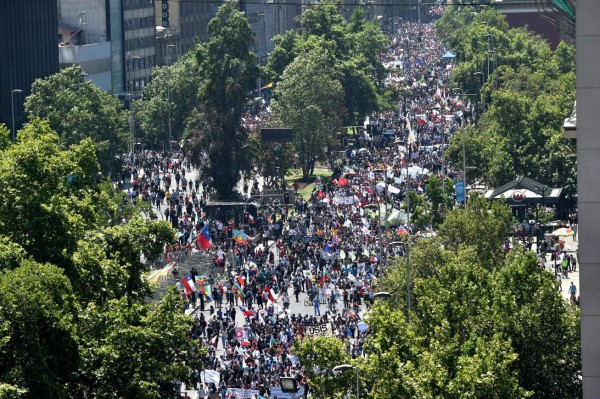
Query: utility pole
[{"x": 132, "y": 110}]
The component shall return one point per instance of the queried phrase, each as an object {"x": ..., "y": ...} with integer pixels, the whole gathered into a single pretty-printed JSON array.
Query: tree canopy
[
  {"x": 309, "y": 100},
  {"x": 215, "y": 133},
  {"x": 173, "y": 86},
  {"x": 74, "y": 321},
  {"x": 527, "y": 90},
  {"x": 354, "y": 49},
  {"x": 482, "y": 325},
  {"x": 77, "y": 110}
]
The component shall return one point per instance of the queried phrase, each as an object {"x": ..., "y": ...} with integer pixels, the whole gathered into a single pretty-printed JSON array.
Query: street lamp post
[
  {"x": 132, "y": 110},
  {"x": 408, "y": 240},
  {"x": 12, "y": 106},
  {"x": 488, "y": 35},
  {"x": 344, "y": 367},
  {"x": 482, "y": 82}
]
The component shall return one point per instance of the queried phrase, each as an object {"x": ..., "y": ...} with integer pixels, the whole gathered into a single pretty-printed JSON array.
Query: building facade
[
  {"x": 28, "y": 30},
  {"x": 180, "y": 25},
  {"x": 588, "y": 188},
  {"x": 129, "y": 28},
  {"x": 549, "y": 22},
  {"x": 139, "y": 43}
]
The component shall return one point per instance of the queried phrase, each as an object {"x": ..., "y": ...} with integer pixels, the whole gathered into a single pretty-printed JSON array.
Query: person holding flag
[
  {"x": 240, "y": 237},
  {"x": 246, "y": 312},
  {"x": 270, "y": 295},
  {"x": 241, "y": 281},
  {"x": 204, "y": 238},
  {"x": 188, "y": 284},
  {"x": 239, "y": 291}
]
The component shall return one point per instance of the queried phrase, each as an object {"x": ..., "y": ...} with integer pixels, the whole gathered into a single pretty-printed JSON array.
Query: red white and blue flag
[
  {"x": 246, "y": 312},
  {"x": 188, "y": 284},
  {"x": 204, "y": 238}
]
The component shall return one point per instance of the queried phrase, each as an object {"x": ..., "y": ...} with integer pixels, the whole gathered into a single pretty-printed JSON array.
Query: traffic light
[
  {"x": 229, "y": 232},
  {"x": 286, "y": 198},
  {"x": 246, "y": 218}
]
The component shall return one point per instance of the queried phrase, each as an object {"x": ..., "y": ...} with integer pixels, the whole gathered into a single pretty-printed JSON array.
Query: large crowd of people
[{"x": 326, "y": 252}]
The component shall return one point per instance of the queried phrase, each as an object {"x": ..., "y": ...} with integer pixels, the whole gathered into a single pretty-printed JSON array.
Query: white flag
[{"x": 211, "y": 376}]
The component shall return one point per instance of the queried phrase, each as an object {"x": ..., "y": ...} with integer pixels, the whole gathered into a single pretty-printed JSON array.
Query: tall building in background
[
  {"x": 588, "y": 189},
  {"x": 112, "y": 40},
  {"x": 179, "y": 25},
  {"x": 28, "y": 32},
  {"x": 269, "y": 19},
  {"x": 139, "y": 47}
]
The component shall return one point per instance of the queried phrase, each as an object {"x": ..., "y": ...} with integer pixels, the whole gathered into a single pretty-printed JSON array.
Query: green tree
[
  {"x": 230, "y": 72},
  {"x": 77, "y": 110},
  {"x": 354, "y": 48},
  {"x": 272, "y": 159},
  {"x": 126, "y": 352},
  {"x": 11, "y": 392},
  {"x": 40, "y": 351},
  {"x": 527, "y": 91},
  {"x": 483, "y": 225},
  {"x": 176, "y": 87},
  {"x": 74, "y": 321},
  {"x": 318, "y": 356},
  {"x": 482, "y": 325},
  {"x": 419, "y": 210},
  {"x": 309, "y": 100},
  {"x": 542, "y": 328},
  {"x": 440, "y": 194},
  {"x": 34, "y": 187}
]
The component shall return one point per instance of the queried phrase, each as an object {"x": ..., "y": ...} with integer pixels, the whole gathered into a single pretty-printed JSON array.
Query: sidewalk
[{"x": 571, "y": 247}]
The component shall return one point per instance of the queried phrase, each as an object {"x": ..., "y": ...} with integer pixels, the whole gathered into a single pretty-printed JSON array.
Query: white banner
[
  {"x": 241, "y": 393},
  {"x": 344, "y": 200}
]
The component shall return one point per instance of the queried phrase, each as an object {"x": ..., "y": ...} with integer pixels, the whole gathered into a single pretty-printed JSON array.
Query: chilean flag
[
  {"x": 204, "y": 238},
  {"x": 246, "y": 312},
  {"x": 188, "y": 284},
  {"x": 270, "y": 294}
]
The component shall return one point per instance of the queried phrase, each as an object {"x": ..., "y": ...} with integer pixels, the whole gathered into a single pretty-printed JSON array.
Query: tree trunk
[
  {"x": 305, "y": 172},
  {"x": 311, "y": 166}
]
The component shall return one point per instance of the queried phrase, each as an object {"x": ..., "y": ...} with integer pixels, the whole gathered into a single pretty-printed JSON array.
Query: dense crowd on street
[{"x": 327, "y": 251}]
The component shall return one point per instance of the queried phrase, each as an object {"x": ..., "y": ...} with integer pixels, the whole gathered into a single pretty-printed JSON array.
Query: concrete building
[
  {"x": 544, "y": 17},
  {"x": 94, "y": 59},
  {"x": 129, "y": 28},
  {"x": 269, "y": 19},
  {"x": 28, "y": 30},
  {"x": 181, "y": 24},
  {"x": 139, "y": 47},
  {"x": 588, "y": 188}
]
